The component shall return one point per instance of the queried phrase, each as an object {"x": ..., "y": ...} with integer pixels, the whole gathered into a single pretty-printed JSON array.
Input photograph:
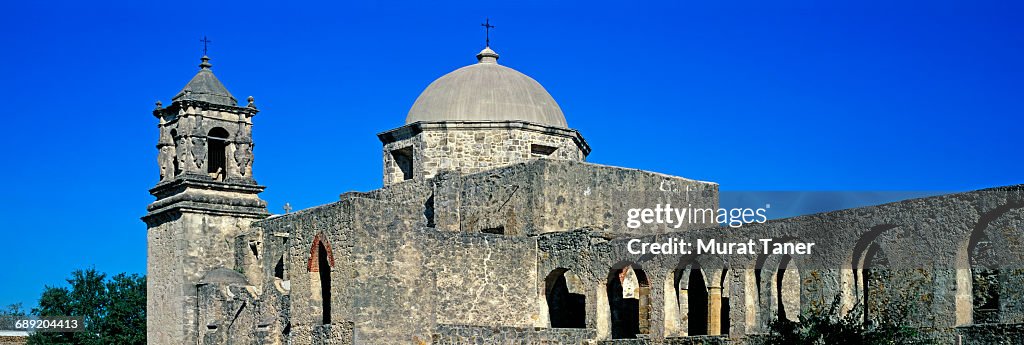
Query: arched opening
[
  {"x": 985, "y": 280},
  {"x": 565, "y": 308},
  {"x": 629, "y": 300},
  {"x": 325, "y": 282},
  {"x": 875, "y": 276},
  {"x": 697, "y": 301},
  {"x": 723, "y": 315},
  {"x": 985, "y": 252},
  {"x": 174, "y": 137},
  {"x": 321, "y": 260},
  {"x": 870, "y": 272},
  {"x": 787, "y": 288},
  {"x": 217, "y": 141}
]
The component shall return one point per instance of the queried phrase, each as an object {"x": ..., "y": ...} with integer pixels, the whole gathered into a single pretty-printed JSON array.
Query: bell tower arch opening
[{"x": 216, "y": 143}]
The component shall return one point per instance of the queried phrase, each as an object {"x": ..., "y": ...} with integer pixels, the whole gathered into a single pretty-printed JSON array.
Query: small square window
[
  {"x": 404, "y": 159},
  {"x": 542, "y": 150}
]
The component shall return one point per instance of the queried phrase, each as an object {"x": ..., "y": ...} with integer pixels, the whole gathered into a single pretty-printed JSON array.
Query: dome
[{"x": 486, "y": 91}]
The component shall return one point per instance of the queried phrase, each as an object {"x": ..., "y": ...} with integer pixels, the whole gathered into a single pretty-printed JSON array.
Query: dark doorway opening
[
  {"x": 217, "y": 141},
  {"x": 324, "y": 266},
  {"x": 697, "y": 300},
  {"x": 630, "y": 314},
  {"x": 565, "y": 309}
]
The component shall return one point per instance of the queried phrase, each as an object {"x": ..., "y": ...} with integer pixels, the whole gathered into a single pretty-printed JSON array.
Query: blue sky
[{"x": 793, "y": 96}]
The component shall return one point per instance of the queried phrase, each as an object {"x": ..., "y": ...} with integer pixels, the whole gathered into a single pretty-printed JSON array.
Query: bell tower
[{"x": 206, "y": 197}]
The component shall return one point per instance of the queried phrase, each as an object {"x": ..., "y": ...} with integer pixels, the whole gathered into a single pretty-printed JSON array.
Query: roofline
[{"x": 417, "y": 127}]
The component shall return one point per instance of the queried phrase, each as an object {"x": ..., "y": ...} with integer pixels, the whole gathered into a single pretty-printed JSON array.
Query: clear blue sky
[{"x": 790, "y": 96}]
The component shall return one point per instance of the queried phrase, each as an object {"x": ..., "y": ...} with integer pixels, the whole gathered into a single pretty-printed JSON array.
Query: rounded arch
[
  {"x": 218, "y": 133},
  {"x": 702, "y": 290},
  {"x": 629, "y": 300},
  {"x": 216, "y": 144},
  {"x": 869, "y": 272},
  {"x": 565, "y": 300},
  {"x": 855, "y": 288},
  {"x": 778, "y": 285},
  {"x": 787, "y": 289},
  {"x": 979, "y": 279}
]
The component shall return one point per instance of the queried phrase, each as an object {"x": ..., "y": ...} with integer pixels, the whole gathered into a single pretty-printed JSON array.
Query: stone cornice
[
  {"x": 184, "y": 104},
  {"x": 415, "y": 128},
  {"x": 187, "y": 193}
]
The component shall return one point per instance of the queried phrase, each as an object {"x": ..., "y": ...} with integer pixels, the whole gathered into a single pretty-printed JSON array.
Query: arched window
[
  {"x": 565, "y": 308},
  {"x": 217, "y": 141},
  {"x": 174, "y": 138}
]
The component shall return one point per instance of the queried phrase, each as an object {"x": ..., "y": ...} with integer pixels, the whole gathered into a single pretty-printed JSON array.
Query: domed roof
[
  {"x": 205, "y": 87},
  {"x": 486, "y": 91}
]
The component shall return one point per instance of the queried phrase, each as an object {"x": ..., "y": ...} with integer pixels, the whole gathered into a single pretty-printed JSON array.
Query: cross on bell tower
[
  {"x": 205, "y": 43},
  {"x": 487, "y": 31}
]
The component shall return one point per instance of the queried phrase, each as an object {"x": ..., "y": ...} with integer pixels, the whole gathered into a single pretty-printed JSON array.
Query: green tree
[
  {"x": 829, "y": 328},
  {"x": 114, "y": 310}
]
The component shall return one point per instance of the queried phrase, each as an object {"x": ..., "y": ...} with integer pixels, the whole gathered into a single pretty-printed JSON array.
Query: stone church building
[{"x": 491, "y": 228}]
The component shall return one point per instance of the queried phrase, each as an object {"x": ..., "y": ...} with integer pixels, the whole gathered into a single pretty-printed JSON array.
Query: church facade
[{"x": 491, "y": 228}]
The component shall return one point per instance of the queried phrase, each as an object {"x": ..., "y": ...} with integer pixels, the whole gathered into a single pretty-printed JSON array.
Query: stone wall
[
  {"x": 465, "y": 334},
  {"x": 926, "y": 279},
  {"x": 13, "y": 339},
  {"x": 992, "y": 334},
  {"x": 394, "y": 280},
  {"x": 557, "y": 195},
  {"x": 419, "y": 262},
  {"x": 473, "y": 147}
]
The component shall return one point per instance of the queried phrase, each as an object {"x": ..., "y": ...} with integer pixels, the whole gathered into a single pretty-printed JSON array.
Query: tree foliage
[
  {"x": 829, "y": 328},
  {"x": 114, "y": 309}
]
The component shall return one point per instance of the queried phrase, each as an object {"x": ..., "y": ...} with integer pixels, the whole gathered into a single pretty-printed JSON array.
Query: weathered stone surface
[
  {"x": 496, "y": 232},
  {"x": 468, "y": 147}
]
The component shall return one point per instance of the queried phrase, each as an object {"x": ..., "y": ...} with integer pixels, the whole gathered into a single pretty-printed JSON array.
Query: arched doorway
[
  {"x": 787, "y": 288},
  {"x": 629, "y": 300},
  {"x": 697, "y": 302},
  {"x": 321, "y": 261},
  {"x": 566, "y": 309}
]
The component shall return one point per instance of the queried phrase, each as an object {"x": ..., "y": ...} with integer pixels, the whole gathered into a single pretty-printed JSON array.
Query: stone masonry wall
[
  {"x": 394, "y": 279},
  {"x": 181, "y": 250},
  {"x": 557, "y": 195},
  {"x": 465, "y": 334},
  {"x": 413, "y": 266},
  {"x": 926, "y": 281},
  {"x": 470, "y": 150}
]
